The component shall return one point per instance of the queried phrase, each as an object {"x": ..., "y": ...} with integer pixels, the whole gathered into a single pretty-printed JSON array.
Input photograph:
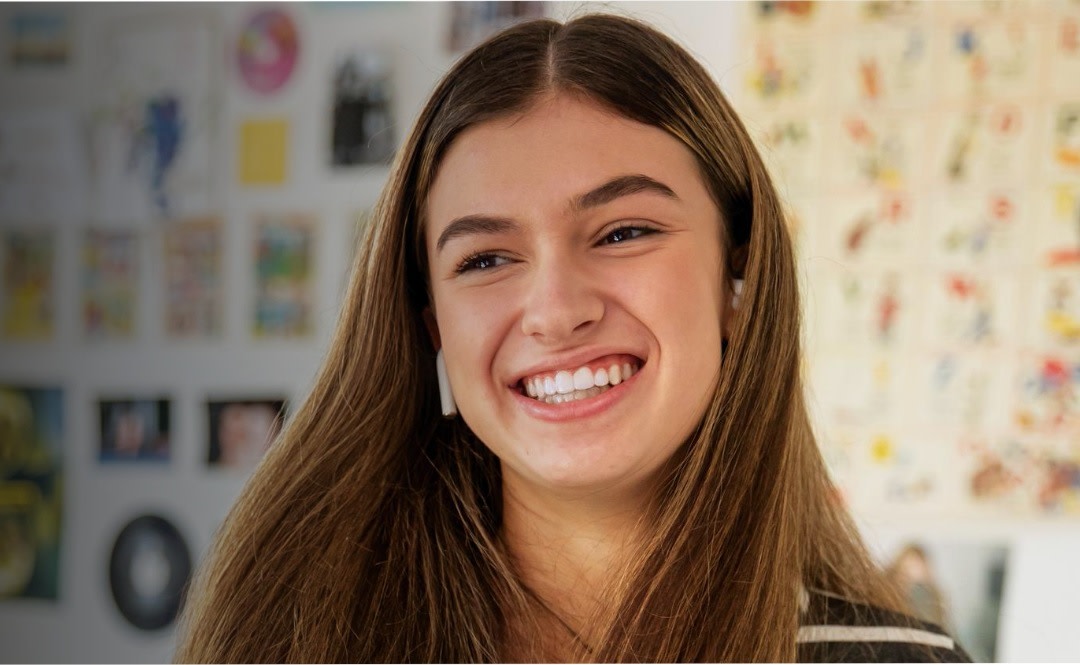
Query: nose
[{"x": 561, "y": 302}]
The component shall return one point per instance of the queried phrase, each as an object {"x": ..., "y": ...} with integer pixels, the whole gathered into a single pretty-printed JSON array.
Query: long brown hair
[{"x": 370, "y": 531}]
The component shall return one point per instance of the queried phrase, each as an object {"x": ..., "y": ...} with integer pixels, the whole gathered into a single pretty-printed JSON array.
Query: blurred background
[{"x": 181, "y": 188}]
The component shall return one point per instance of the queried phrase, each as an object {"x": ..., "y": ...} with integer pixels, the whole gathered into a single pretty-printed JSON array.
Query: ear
[{"x": 432, "y": 327}]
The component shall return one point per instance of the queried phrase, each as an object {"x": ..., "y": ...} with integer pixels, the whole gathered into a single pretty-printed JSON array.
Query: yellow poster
[{"x": 263, "y": 151}]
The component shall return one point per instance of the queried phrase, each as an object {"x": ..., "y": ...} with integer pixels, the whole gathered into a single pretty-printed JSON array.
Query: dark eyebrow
[
  {"x": 623, "y": 185},
  {"x": 463, "y": 226}
]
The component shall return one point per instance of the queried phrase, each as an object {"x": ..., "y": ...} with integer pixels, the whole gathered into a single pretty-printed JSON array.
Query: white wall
[{"x": 1043, "y": 589}]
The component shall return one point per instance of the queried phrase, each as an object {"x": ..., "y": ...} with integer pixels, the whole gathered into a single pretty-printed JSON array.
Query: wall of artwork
[{"x": 181, "y": 188}]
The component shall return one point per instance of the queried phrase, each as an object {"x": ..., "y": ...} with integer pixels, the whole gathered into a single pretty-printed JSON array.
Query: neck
[{"x": 568, "y": 548}]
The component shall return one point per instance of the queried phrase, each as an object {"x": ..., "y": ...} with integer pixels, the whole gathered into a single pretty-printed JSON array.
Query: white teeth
[
  {"x": 549, "y": 385},
  {"x": 615, "y": 375},
  {"x": 564, "y": 381},
  {"x": 566, "y": 386},
  {"x": 583, "y": 379}
]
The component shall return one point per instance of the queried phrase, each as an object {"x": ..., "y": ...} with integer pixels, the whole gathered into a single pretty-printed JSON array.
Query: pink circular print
[{"x": 267, "y": 50}]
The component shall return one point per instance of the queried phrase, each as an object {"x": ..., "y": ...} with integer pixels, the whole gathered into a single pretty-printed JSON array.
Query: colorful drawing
[
  {"x": 284, "y": 264},
  {"x": 780, "y": 71},
  {"x": 1049, "y": 395},
  {"x": 875, "y": 149},
  {"x": 988, "y": 58},
  {"x": 267, "y": 50},
  {"x": 28, "y": 259},
  {"x": 152, "y": 121},
  {"x": 1057, "y": 237},
  {"x": 1065, "y": 139},
  {"x": 991, "y": 142},
  {"x": 362, "y": 120},
  {"x": 960, "y": 390},
  {"x": 872, "y": 228},
  {"x": 888, "y": 65},
  {"x": 109, "y": 288},
  {"x": 263, "y": 152},
  {"x": 979, "y": 229},
  {"x": 194, "y": 293},
  {"x": 31, "y": 491},
  {"x": 1064, "y": 57},
  {"x": 861, "y": 308},
  {"x": 971, "y": 308},
  {"x": 134, "y": 430}
]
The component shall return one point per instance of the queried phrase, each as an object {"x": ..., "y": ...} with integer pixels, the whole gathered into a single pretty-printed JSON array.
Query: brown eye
[
  {"x": 624, "y": 233},
  {"x": 482, "y": 261}
]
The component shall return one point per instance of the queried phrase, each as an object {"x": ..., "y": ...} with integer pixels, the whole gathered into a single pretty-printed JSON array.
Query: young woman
[{"x": 562, "y": 415}]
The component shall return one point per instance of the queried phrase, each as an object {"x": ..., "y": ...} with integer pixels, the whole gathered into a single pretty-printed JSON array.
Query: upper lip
[{"x": 571, "y": 361}]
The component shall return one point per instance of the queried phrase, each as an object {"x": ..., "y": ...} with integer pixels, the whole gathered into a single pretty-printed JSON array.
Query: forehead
[{"x": 542, "y": 158}]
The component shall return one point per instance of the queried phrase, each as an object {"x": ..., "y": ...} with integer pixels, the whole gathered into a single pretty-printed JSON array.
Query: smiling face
[{"x": 576, "y": 275}]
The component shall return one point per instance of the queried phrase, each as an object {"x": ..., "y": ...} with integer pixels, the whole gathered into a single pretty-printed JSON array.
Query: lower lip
[{"x": 578, "y": 409}]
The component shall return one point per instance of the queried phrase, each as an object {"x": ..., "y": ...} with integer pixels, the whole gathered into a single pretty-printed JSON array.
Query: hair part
[{"x": 370, "y": 530}]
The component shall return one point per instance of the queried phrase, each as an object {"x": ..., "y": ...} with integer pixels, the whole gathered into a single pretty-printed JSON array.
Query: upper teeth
[{"x": 564, "y": 381}]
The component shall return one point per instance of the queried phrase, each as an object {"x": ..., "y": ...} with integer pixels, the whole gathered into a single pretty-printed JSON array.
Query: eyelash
[{"x": 473, "y": 261}]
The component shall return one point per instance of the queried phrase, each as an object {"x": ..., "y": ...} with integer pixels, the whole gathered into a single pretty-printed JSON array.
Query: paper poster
[
  {"x": 1057, "y": 232},
  {"x": 886, "y": 65},
  {"x": 473, "y": 22},
  {"x": 992, "y": 58},
  {"x": 42, "y": 176},
  {"x": 970, "y": 309},
  {"x": 1022, "y": 474},
  {"x": 1064, "y": 57},
  {"x": 194, "y": 292},
  {"x": 979, "y": 228},
  {"x": 876, "y": 149},
  {"x": 39, "y": 38},
  {"x": 993, "y": 142},
  {"x": 263, "y": 152},
  {"x": 1049, "y": 395},
  {"x": 152, "y": 120},
  {"x": 109, "y": 283},
  {"x": 31, "y": 491},
  {"x": 782, "y": 71},
  {"x": 1064, "y": 144},
  {"x": 955, "y": 390},
  {"x": 870, "y": 228},
  {"x": 284, "y": 275},
  {"x": 858, "y": 389},
  {"x": 241, "y": 430},
  {"x": 862, "y": 308},
  {"x": 363, "y": 124},
  {"x": 267, "y": 50},
  {"x": 28, "y": 298},
  {"x": 790, "y": 146},
  {"x": 1056, "y": 300},
  {"x": 134, "y": 430}
]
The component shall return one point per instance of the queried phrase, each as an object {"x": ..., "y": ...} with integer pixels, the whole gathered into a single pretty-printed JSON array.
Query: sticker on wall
[
  {"x": 31, "y": 491},
  {"x": 241, "y": 430},
  {"x": 194, "y": 294},
  {"x": 135, "y": 430},
  {"x": 39, "y": 39},
  {"x": 267, "y": 50},
  {"x": 152, "y": 120},
  {"x": 149, "y": 567},
  {"x": 362, "y": 122},
  {"x": 284, "y": 266},
  {"x": 263, "y": 152},
  {"x": 109, "y": 274},
  {"x": 27, "y": 295}
]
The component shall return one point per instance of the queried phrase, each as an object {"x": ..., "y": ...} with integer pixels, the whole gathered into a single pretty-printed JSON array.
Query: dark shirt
[{"x": 836, "y": 630}]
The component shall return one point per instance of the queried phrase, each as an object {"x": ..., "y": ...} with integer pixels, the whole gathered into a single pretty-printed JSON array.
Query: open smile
[{"x": 570, "y": 385}]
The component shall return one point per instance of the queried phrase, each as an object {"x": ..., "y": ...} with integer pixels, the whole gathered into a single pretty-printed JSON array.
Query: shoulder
[{"x": 836, "y": 630}]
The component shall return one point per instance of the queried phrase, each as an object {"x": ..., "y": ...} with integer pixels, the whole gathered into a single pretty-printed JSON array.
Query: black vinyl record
[{"x": 148, "y": 570}]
